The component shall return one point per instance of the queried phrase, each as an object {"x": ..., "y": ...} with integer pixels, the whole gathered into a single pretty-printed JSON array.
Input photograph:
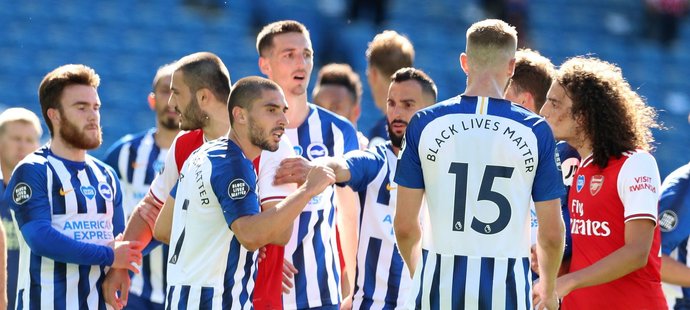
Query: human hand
[
  {"x": 534, "y": 262},
  {"x": 289, "y": 272},
  {"x": 292, "y": 170},
  {"x": 126, "y": 253},
  {"x": 543, "y": 299},
  {"x": 318, "y": 179},
  {"x": 116, "y": 280}
]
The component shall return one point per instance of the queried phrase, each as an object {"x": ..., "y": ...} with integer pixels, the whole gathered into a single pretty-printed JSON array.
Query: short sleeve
[
  {"x": 235, "y": 189},
  {"x": 162, "y": 183},
  {"x": 548, "y": 184},
  {"x": 409, "y": 170},
  {"x": 674, "y": 211},
  {"x": 27, "y": 193},
  {"x": 364, "y": 166},
  {"x": 638, "y": 187}
]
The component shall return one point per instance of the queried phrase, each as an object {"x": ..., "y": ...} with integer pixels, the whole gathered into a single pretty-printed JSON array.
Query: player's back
[{"x": 477, "y": 159}]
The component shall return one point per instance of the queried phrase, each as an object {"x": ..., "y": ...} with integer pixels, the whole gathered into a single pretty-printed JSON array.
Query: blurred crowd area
[{"x": 126, "y": 41}]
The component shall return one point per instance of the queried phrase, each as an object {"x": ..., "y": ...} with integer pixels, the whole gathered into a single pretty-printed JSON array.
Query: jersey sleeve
[
  {"x": 409, "y": 170},
  {"x": 638, "y": 187},
  {"x": 363, "y": 166},
  {"x": 162, "y": 183},
  {"x": 27, "y": 195},
  {"x": 268, "y": 165},
  {"x": 236, "y": 191},
  {"x": 674, "y": 212},
  {"x": 548, "y": 184}
]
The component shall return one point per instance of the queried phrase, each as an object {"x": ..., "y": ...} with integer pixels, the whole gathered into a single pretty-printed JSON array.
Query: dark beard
[
  {"x": 195, "y": 117},
  {"x": 71, "y": 134},
  {"x": 169, "y": 123},
  {"x": 259, "y": 139},
  {"x": 395, "y": 140}
]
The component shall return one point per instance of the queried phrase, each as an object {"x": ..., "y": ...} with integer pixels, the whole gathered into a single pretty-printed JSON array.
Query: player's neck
[
  {"x": 241, "y": 138},
  {"x": 62, "y": 149},
  {"x": 164, "y": 136},
  {"x": 583, "y": 147},
  {"x": 218, "y": 124},
  {"x": 485, "y": 86},
  {"x": 298, "y": 110},
  {"x": 6, "y": 173}
]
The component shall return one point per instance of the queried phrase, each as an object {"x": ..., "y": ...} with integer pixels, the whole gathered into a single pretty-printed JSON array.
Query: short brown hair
[
  {"x": 53, "y": 84},
  {"x": 390, "y": 51},
  {"x": 264, "y": 40},
  {"x": 489, "y": 41},
  {"x": 341, "y": 75},
  {"x": 206, "y": 70},
  {"x": 246, "y": 91},
  {"x": 533, "y": 74},
  {"x": 407, "y": 74},
  {"x": 613, "y": 116}
]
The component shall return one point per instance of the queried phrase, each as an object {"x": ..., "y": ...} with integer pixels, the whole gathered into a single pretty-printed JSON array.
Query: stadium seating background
[{"x": 126, "y": 40}]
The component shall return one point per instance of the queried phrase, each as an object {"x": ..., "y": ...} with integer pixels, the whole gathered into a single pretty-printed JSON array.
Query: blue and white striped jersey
[
  {"x": 479, "y": 160},
  {"x": 137, "y": 160},
  {"x": 208, "y": 268},
  {"x": 312, "y": 247},
  {"x": 674, "y": 216},
  {"x": 67, "y": 213},
  {"x": 382, "y": 281}
]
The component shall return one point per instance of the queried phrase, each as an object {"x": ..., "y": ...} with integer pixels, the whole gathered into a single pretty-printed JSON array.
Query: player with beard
[
  {"x": 614, "y": 198},
  {"x": 216, "y": 221},
  {"x": 287, "y": 58},
  {"x": 382, "y": 281},
  {"x": 137, "y": 159},
  {"x": 67, "y": 204},
  {"x": 200, "y": 86},
  {"x": 20, "y": 131}
]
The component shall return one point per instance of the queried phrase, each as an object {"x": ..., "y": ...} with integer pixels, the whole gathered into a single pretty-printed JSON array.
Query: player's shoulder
[
  {"x": 678, "y": 176},
  {"x": 38, "y": 157},
  {"x": 134, "y": 138},
  {"x": 189, "y": 135}
]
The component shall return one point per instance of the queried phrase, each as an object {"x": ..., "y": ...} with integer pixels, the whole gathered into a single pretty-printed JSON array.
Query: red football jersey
[{"x": 601, "y": 201}]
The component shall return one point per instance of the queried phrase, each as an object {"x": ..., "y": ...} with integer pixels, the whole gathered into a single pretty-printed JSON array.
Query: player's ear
[
  {"x": 463, "y": 63},
  {"x": 239, "y": 115},
  {"x": 54, "y": 115},
  {"x": 152, "y": 100},
  {"x": 264, "y": 66},
  {"x": 203, "y": 96}
]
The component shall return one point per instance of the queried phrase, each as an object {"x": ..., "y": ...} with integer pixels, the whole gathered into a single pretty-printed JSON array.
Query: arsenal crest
[{"x": 595, "y": 184}]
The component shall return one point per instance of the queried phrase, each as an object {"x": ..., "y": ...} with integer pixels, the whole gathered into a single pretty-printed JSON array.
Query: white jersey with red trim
[
  {"x": 188, "y": 141},
  {"x": 601, "y": 201}
]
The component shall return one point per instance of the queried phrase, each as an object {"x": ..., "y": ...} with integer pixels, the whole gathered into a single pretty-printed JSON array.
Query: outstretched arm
[{"x": 255, "y": 231}]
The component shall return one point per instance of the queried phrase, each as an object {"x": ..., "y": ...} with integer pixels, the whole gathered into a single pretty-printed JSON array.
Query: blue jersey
[
  {"x": 480, "y": 161},
  {"x": 382, "y": 281},
  {"x": 67, "y": 213},
  {"x": 312, "y": 247},
  {"x": 137, "y": 160},
  {"x": 674, "y": 219},
  {"x": 208, "y": 268},
  {"x": 11, "y": 243}
]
